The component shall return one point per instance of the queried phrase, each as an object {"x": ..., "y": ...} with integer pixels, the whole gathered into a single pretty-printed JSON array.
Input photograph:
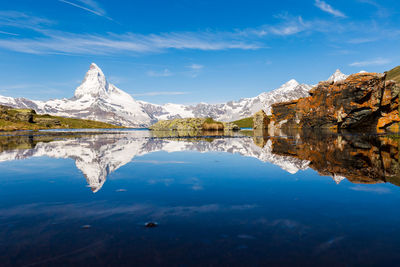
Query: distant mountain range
[{"x": 97, "y": 99}]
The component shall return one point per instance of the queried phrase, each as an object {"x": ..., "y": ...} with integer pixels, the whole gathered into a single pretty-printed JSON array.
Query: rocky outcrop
[
  {"x": 260, "y": 120},
  {"x": 362, "y": 101},
  {"x": 16, "y": 115},
  {"x": 193, "y": 126}
]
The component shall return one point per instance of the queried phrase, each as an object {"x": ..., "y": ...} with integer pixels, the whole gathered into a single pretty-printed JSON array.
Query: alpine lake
[{"x": 141, "y": 198}]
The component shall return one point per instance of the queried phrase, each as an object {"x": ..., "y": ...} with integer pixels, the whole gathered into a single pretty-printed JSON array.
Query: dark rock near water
[{"x": 151, "y": 224}]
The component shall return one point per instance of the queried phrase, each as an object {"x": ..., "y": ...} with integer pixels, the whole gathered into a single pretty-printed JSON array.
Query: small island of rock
[{"x": 194, "y": 126}]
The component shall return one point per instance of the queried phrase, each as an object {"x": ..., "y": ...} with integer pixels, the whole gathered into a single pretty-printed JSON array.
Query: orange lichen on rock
[{"x": 362, "y": 101}]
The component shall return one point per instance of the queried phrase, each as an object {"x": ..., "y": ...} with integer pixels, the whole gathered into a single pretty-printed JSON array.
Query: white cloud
[
  {"x": 160, "y": 93},
  {"x": 163, "y": 73},
  {"x": 373, "y": 62},
  {"x": 196, "y": 67},
  {"x": 329, "y": 9}
]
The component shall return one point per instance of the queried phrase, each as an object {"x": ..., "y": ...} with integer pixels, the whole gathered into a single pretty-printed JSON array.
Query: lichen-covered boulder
[{"x": 362, "y": 101}]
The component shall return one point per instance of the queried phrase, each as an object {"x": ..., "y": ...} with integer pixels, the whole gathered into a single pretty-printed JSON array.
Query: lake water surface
[{"x": 312, "y": 200}]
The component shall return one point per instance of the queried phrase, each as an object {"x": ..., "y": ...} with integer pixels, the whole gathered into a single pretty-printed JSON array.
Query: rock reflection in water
[{"x": 359, "y": 158}]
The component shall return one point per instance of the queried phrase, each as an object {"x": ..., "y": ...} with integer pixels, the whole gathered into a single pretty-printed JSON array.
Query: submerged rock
[{"x": 151, "y": 224}]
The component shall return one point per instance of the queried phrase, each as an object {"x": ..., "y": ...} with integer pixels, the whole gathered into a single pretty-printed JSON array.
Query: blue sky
[{"x": 185, "y": 51}]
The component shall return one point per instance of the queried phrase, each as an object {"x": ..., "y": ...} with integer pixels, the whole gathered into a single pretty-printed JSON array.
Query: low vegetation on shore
[
  {"x": 394, "y": 75},
  {"x": 193, "y": 124},
  {"x": 245, "y": 123},
  {"x": 26, "y": 119}
]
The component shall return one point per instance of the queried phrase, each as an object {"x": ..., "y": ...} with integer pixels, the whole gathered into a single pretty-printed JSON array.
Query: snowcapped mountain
[
  {"x": 232, "y": 110},
  {"x": 97, "y": 99},
  {"x": 337, "y": 76}
]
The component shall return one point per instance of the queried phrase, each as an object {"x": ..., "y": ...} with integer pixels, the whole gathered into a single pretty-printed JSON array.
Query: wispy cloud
[
  {"x": 329, "y": 9},
  {"x": 89, "y": 6},
  {"x": 380, "y": 10},
  {"x": 372, "y": 62},
  {"x": 363, "y": 40},
  {"x": 288, "y": 25},
  {"x": 160, "y": 93},
  {"x": 9, "y": 33},
  {"x": 163, "y": 73},
  {"x": 194, "y": 70},
  {"x": 196, "y": 67},
  {"x": 70, "y": 43},
  {"x": 18, "y": 19}
]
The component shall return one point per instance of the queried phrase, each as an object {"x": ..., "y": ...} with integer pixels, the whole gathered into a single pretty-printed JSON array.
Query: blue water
[{"x": 212, "y": 204}]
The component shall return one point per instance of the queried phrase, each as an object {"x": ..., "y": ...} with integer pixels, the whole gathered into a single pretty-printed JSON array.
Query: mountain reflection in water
[{"x": 359, "y": 158}]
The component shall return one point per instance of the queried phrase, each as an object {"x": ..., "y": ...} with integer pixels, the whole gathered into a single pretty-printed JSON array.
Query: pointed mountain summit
[
  {"x": 291, "y": 83},
  {"x": 94, "y": 84},
  {"x": 337, "y": 76},
  {"x": 288, "y": 86}
]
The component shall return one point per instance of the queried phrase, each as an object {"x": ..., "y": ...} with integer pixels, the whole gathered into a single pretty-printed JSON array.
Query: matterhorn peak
[
  {"x": 337, "y": 76},
  {"x": 94, "y": 84}
]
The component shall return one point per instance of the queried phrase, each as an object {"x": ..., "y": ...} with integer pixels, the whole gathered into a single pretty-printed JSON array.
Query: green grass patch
[
  {"x": 394, "y": 74},
  {"x": 244, "y": 123},
  {"x": 27, "y": 119}
]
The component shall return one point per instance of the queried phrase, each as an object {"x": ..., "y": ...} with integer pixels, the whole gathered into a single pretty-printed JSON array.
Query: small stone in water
[
  {"x": 121, "y": 190},
  {"x": 151, "y": 224}
]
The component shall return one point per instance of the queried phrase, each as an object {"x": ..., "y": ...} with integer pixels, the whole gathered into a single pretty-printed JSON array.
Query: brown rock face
[
  {"x": 260, "y": 120},
  {"x": 362, "y": 101}
]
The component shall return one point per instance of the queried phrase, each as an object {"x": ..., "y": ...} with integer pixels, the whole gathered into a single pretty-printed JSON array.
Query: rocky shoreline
[{"x": 363, "y": 101}]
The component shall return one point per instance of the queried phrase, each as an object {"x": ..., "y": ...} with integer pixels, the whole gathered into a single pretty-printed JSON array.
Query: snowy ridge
[
  {"x": 97, "y": 99},
  {"x": 98, "y": 156},
  {"x": 338, "y": 76}
]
